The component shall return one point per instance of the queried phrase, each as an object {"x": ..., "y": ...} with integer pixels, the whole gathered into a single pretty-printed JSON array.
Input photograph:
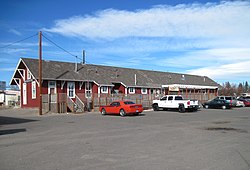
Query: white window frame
[
  {"x": 74, "y": 89},
  {"x": 131, "y": 90},
  {"x": 29, "y": 76},
  {"x": 33, "y": 89},
  {"x": 144, "y": 91},
  {"x": 24, "y": 93},
  {"x": 104, "y": 89},
  {"x": 51, "y": 86},
  {"x": 88, "y": 90}
]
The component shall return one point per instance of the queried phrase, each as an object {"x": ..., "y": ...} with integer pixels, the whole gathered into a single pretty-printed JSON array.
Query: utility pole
[{"x": 40, "y": 72}]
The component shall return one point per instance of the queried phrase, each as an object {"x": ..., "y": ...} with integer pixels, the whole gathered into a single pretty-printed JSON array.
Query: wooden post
[{"x": 40, "y": 73}]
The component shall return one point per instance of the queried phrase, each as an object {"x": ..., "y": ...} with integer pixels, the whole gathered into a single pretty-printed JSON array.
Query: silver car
[{"x": 230, "y": 99}]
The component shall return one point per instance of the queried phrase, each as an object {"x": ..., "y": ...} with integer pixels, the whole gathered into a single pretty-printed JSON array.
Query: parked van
[{"x": 230, "y": 99}]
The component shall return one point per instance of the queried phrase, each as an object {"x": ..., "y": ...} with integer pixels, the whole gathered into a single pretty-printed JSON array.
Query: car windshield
[{"x": 128, "y": 102}]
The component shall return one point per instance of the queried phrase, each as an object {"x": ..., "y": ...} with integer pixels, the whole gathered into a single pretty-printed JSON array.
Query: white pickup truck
[{"x": 175, "y": 102}]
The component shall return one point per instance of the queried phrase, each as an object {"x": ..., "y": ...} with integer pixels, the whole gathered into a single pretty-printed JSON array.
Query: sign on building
[{"x": 173, "y": 88}]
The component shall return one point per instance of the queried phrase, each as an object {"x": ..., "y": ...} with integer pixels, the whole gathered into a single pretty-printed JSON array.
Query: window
[
  {"x": 104, "y": 89},
  {"x": 144, "y": 91},
  {"x": 71, "y": 89},
  {"x": 51, "y": 87},
  {"x": 88, "y": 90},
  {"x": 33, "y": 88},
  {"x": 115, "y": 104},
  {"x": 129, "y": 102},
  {"x": 29, "y": 75},
  {"x": 170, "y": 98},
  {"x": 24, "y": 94},
  {"x": 163, "y": 98},
  {"x": 178, "y": 98},
  {"x": 131, "y": 90}
]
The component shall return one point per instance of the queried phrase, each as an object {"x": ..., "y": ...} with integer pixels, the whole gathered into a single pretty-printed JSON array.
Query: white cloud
[
  {"x": 227, "y": 71},
  {"x": 190, "y": 21},
  {"x": 14, "y": 31},
  {"x": 211, "y": 39}
]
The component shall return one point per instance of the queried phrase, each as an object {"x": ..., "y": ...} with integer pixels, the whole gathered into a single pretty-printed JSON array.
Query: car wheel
[
  {"x": 122, "y": 113},
  {"x": 155, "y": 107},
  {"x": 223, "y": 107},
  {"x": 182, "y": 108},
  {"x": 206, "y": 106},
  {"x": 103, "y": 112}
]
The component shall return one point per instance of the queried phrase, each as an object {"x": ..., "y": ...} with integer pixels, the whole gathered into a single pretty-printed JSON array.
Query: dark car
[{"x": 217, "y": 104}]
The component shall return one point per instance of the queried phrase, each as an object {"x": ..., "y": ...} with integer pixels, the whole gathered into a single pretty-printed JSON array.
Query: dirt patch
[{"x": 225, "y": 129}]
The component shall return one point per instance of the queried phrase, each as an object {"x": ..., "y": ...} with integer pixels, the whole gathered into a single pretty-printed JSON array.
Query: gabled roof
[{"x": 107, "y": 75}]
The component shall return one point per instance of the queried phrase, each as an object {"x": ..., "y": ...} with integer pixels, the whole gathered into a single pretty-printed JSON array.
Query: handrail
[
  {"x": 70, "y": 104},
  {"x": 79, "y": 103}
]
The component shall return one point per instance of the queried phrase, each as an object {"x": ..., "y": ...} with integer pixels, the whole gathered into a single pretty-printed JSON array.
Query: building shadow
[
  {"x": 11, "y": 120},
  {"x": 11, "y": 131}
]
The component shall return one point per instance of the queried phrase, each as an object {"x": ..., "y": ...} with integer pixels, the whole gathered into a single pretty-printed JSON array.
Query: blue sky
[{"x": 208, "y": 38}]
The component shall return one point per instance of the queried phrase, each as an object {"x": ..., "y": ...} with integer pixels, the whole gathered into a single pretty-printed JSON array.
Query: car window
[
  {"x": 222, "y": 98},
  {"x": 170, "y": 98},
  {"x": 115, "y": 104},
  {"x": 178, "y": 98},
  {"x": 128, "y": 102},
  {"x": 164, "y": 98},
  {"x": 228, "y": 98}
]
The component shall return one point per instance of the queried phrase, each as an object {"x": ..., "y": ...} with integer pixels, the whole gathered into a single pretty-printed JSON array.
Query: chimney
[
  {"x": 135, "y": 79},
  {"x": 76, "y": 65},
  {"x": 83, "y": 56}
]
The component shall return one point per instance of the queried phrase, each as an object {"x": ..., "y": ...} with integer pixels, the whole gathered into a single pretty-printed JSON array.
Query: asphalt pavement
[{"x": 202, "y": 140}]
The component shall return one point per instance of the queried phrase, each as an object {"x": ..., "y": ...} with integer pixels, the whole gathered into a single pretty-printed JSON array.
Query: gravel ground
[{"x": 207, "y": 139}]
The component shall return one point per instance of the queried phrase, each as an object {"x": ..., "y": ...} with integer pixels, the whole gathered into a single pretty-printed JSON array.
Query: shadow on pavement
[
  {"x": 11, "y": 131},
  {"x": 10, "y": 120}
]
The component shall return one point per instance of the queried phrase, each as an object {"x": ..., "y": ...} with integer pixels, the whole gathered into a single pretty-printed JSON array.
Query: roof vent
[{"x": 183, "y": 77}]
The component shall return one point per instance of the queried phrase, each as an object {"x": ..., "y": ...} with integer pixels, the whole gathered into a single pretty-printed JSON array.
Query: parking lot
[{"x": 207, "y": 139}]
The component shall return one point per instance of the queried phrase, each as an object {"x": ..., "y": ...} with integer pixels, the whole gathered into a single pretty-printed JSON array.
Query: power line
[
  {"x": 60, "y": 47},
  {"x": 19, "y": 41}
]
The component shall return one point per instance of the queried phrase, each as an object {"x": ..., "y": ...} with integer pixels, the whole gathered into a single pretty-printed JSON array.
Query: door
[
  {"x": 51, "y": 87},
  {"x": 163, "y": 101},
  {"x": 71, "y": 89},
  {"x": 170, "y": 102},
  {"x": 24, "y": 94}
]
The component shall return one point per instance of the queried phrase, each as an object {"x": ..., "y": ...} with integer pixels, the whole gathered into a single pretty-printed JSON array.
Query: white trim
[
  {"x": 144, "y": 92},
  {"x": 49, "y": 86},
  {"x": 24, "y": 94},
  {"x": 131, "y": 92},
  {"x": 88, "y": 90},
  {"x": 22, "y": 75},
  {"x": 15, "y": 70},
  {"x": 106, "y": 91},
  {"x": 190, "y": 86},
  {"x": 33, "y": 90},
  {"x": 74, "y": 89},
  {"x": 62, "y": 84},
  {"x": 18, "y": 84},
  {"x": 80, "y": 85},
  {"x": 29, "y": 76}
]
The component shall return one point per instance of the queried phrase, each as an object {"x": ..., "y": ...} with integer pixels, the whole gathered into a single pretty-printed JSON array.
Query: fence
[{"x": 59, "y": 103}]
